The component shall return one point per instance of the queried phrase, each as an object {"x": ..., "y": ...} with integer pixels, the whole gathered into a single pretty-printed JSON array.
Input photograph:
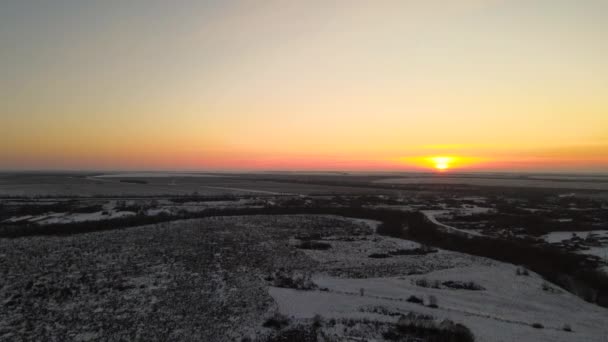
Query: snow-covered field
[
  {"x": 110, "y": 211},
  {"x": 242, "y": 190},
  {"x": 433, "y": 216},
  {"x": 352, "y": 258},
  {"x": 593, "y": 242},
  {"x": 504, "y": 311},
  {"x": 555, "y": 237},
  {"x": 199, "y": 279},
  {"x": 192, "y": 280},
  {"x": 52, "y": 218},
  {"x": 96, "y": 216},
  {"x": 599, "y": 251},
  {"x": 158, "y": 184},
  {"x": 154, "y": 175},
  {"x": 534, "y": 183}
]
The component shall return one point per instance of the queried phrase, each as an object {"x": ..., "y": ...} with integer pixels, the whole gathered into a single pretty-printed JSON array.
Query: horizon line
[{"x": 254, "y": 171}]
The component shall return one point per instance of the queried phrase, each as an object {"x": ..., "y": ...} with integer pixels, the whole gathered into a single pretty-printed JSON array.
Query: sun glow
[{"x": 442, "y": 163}]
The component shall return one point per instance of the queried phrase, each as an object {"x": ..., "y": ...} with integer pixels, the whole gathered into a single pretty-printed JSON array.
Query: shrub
[
  {"x": 134, "y": 181},
  {"x": 299, "y": 334},
  {"x": 435, "y": 284},
  {"x": 292, "y": 280},
  {"x": 422, "y": 282},
  {"x": 378, "y": 255},
  {"x": 381, "y": 310},
  {"x": 548, "y": 288},
  {"x": 277, "y": 321},
  {"x": 414, "y": 299},
  {"x": 317, "y": 245},
  {"x": 416, "y": 327},
  {"x": 415, "y": 251},
  {"x": 567, "y": 327},
  {"x": 317, "y": 321},
  {"x": 459, "y": 285},
  {"x": 311, "y": 236}
]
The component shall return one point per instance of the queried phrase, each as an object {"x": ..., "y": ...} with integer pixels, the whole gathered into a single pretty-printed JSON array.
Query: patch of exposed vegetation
[
  {"x": 423, "y": 250},
  {"x": 462, "y": 285},
  {"x": 292, "y": 280},
  {"x": 426, "y": 328},
  {"x": 415, "y": 300},
  {"x": 134, "y": 181},
  {"x": 277, "y": 321},
  {"x": 316, "y": 245},
  {"x": 379, "y": 255},
  {"x": 381, "y": 310}
]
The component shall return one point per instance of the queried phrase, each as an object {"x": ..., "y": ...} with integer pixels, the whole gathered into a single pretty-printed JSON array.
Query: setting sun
[
  {"x": 442, "y": 163},
  {"x": 445, "y": 162}
]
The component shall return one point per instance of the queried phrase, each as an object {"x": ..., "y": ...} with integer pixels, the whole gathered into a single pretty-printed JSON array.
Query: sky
[{"x": 378, "y": 85}]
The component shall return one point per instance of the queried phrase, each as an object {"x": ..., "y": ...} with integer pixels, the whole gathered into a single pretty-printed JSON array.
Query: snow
[
  {"x": 96, "y": 216},
  {"x": 473, "y": 209},
  {"x": 476, "y": 199},
  {"x": 502, "y": 312},
  {"x": 18, "y": 218},
  {"x": 599, "y": 251},
  {"x": 373, "y": 224},
  {"x": 154, "y": 175},
  {"x": 158, "y": 211},
  {"x": 350, "y": 258},
  {"x": 433, "y": 214},
  {"x": 53, "y": 218},
  {"x": 597, "y": 246},
  {"x": 533, "y": 210},
  {"x": 248, "y": 190},
  {"x": 510, "y": 182},
  {"x": 555, "y": 237}
]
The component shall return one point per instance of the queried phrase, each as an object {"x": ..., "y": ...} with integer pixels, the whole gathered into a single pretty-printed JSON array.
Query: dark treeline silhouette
[
  {"x": 206, "y": 198},
  {"x": 134, "y": 181}
]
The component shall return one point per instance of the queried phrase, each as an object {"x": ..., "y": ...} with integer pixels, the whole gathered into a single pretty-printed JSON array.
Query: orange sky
[{"x": 317, "y": 85}]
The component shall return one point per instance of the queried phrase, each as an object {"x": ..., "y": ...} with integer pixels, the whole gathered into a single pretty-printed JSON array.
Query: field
[
  {"x": 109, "y": 185},
  {"x": 577, "y": 183},
  {"x": 297, "y": 257},
  {"x": 188, "y": 280}
]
